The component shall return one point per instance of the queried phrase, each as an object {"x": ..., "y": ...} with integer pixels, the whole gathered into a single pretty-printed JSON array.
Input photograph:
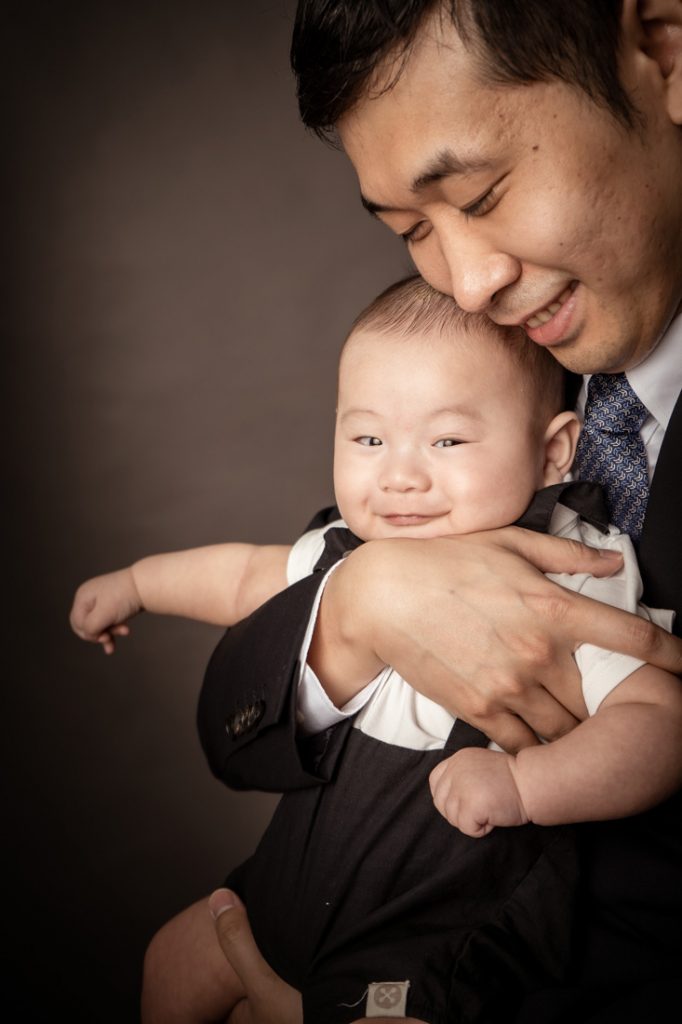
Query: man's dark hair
[{"x": 338, "y": 44}]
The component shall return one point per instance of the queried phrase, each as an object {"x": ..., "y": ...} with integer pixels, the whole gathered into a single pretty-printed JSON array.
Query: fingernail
[
  {"x": 613, "y": 555},
  {"x": 220, "y": 901}
]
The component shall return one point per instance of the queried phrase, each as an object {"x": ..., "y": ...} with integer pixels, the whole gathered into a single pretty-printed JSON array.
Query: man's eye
[
  {"x": 416, "y": 233},
  {"x": 368, "y": 441},
  {"x": 482, "y": 205},
  {"x": 446, "y": 442}
]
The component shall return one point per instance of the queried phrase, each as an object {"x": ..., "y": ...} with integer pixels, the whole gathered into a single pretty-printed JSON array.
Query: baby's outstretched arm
[
  {"x": 220, "y": 584},
  {"x": 623, "y": 760}
]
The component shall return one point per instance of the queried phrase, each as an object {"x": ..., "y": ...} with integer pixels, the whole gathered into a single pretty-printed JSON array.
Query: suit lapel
[{"x": 660, "y": 548}]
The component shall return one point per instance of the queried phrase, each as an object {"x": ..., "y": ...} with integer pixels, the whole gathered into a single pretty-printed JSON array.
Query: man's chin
[
  {"x": 585, "y": 356},
  {"x": 578, "y": 360}
]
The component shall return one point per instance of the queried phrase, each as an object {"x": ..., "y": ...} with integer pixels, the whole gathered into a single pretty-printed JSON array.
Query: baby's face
[{"x": 433, "y": 436}]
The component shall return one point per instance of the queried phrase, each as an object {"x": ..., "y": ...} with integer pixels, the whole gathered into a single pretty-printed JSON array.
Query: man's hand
[
  {"x": 475, "y": 791},
  {"x": 269, "y": 1000},
  {"x": 473, "y": 623},
  {"x": 102, "y": 606}
]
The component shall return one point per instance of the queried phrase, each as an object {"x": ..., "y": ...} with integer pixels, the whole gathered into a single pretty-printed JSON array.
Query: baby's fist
[
  {"x": 475, "y": 791},
  {"x": 101, "y": 607}
]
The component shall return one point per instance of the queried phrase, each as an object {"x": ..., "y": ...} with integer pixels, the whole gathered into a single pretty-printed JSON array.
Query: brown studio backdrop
[{"x": 182, "y": 262}]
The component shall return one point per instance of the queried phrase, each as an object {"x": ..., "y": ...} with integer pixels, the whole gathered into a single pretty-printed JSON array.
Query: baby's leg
[{"x": 187, "y": 979}]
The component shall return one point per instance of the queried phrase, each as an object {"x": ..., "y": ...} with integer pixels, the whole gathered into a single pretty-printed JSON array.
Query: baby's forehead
[
  {"x": 483, "y": 360},
  {"x": 458, "y": 344}
]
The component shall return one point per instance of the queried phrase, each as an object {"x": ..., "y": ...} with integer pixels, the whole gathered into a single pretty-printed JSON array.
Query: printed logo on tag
[{"x": 387, "y": 999}]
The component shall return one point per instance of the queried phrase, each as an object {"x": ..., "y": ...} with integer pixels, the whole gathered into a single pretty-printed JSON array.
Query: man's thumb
[
  {"x": 269, "y": 997},
  {"x": 236, "y": 938}
]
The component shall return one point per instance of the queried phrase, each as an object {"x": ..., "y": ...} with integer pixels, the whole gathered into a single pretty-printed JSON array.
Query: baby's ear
[{"x": 560, "y": 440}]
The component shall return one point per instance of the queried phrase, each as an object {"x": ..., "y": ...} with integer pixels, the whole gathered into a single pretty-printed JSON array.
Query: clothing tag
[{"x": 387, "y": 999}]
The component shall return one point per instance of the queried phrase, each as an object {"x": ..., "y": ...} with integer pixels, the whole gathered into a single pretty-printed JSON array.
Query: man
[{"x": 530, "y": 154}]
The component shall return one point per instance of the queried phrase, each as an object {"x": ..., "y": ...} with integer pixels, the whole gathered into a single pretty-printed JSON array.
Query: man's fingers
[
  {"x": 553, "y": 711},
  {"x": 593, "y": 622},
  {"x": 582, "y": 618},
  {"x": 507, "y": 730},
  {"x": 558, "y": 554},
  {"x": 270, "y": 999},
  {"x": 221, "y": 900},
  {"x": 236, "y": 940},
  {"x": 546, "y": 717}
]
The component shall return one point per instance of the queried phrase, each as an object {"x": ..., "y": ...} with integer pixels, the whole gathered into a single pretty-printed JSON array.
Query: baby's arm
[
  {"x": 220, "y": 584},
  {"x": 623, "y": 760}
]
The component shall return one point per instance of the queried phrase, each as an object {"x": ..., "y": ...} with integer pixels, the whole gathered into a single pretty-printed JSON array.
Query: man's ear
[
  {"x": 657, "y": 25},
  {"x": 560, "y": 440}
]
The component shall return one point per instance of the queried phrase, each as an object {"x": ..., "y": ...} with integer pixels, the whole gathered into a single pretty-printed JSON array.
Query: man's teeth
[{"x": 546, "y": 314}]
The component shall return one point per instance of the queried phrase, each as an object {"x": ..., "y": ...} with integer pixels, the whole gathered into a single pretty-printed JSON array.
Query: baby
[{"x": 446, "y": 424}]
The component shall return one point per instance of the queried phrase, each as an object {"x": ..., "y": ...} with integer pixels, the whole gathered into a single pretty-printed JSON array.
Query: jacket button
[{"x": 244, "y": 719}]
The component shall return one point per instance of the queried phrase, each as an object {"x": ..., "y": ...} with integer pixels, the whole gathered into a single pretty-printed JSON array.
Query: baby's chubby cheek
[
  {"x": 495, "y": 506},
  {"x": 355, "y": 514}
]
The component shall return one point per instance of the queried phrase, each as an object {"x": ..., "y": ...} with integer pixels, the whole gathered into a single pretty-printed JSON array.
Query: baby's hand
[
  {"x": 475, "y": 791},
  {"x": 101, "y": 607}
]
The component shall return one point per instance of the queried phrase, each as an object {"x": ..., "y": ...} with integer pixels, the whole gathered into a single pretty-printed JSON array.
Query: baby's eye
[
  {"x": 368, "y": 441},
  {"x": 446, "y": 442}
]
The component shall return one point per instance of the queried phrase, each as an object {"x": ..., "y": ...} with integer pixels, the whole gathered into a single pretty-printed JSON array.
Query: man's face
[
  {"x": 530, "y": 203},
  {"x": 434, "y": 436}
]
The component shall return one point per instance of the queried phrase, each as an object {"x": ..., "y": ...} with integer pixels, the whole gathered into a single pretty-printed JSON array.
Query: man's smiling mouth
[{"x": 543, "y": 316}]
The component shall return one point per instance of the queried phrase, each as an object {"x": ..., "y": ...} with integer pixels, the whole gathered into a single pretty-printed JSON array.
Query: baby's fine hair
[{"x": 411, "y": 306}]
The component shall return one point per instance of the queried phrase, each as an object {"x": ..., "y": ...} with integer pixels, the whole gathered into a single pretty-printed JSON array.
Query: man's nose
[
  {"x": 478, "y": 273},
  {"x": 403, "y": 472}
]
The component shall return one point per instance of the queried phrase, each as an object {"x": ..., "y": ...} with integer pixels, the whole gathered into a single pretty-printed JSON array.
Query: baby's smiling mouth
[{"x": 410, "y": 518}]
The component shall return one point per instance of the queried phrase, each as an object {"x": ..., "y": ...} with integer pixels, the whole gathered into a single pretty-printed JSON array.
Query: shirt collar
[{"x": 657, "y": 381}]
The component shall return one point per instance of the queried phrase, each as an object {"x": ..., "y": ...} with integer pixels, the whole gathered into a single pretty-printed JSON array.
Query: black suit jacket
[
  {"x": 628, "y": 945},
  {"x": 247, "y": 706},
  {"x": 632, "y": 912}
]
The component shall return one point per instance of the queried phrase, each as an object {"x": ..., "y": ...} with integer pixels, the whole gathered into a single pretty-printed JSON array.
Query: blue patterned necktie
[{"x": 611, "y": 452}]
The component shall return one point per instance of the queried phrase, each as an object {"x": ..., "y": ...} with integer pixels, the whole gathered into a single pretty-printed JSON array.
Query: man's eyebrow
[
  {"x": 376, "y": 208},
  {"x": 442, "y": 166},
  {"x": 445, "y": 164}
]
